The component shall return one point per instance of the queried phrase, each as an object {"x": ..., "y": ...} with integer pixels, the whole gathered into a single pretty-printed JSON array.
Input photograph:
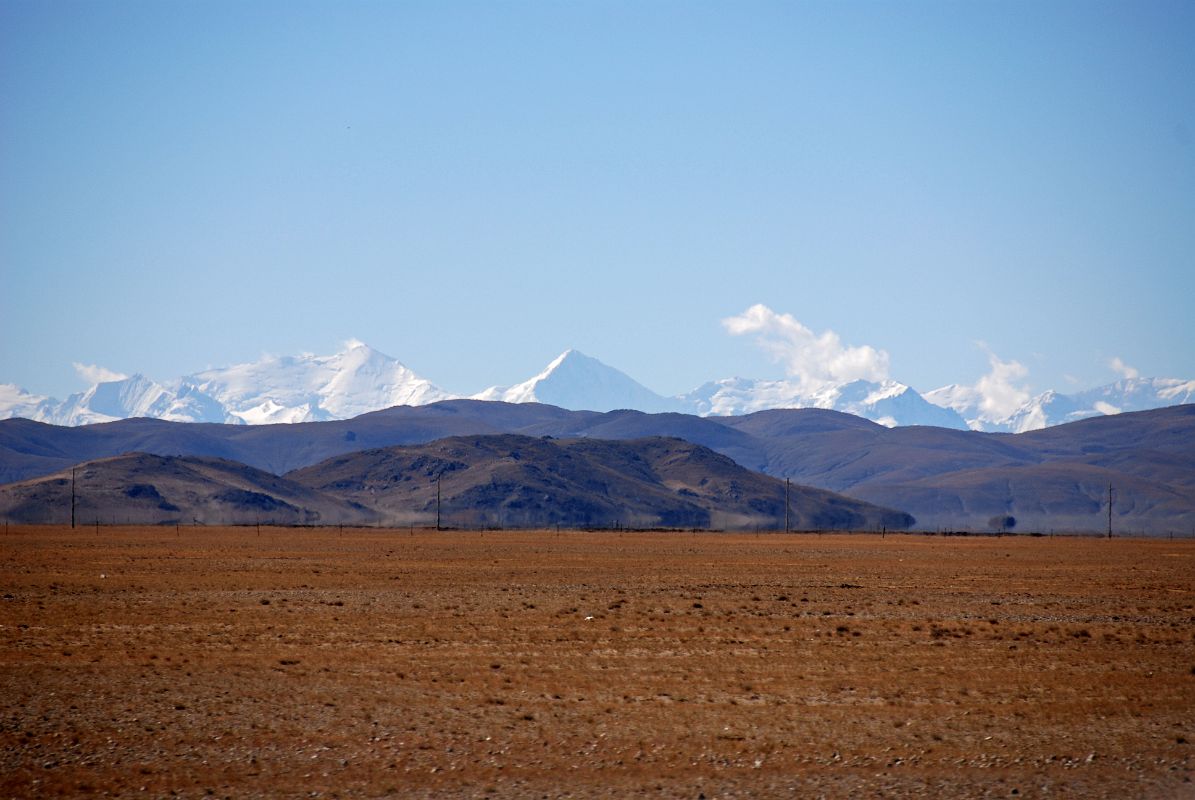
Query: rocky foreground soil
[{"x": 228, "y": 662}]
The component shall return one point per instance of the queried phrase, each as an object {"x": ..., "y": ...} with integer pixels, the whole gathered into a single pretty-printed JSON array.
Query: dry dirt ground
[{"x": 139, "y": 662}]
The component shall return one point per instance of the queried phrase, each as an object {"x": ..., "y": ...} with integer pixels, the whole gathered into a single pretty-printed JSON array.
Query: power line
[
  {"x": 1109, "y": 510},
  {"x": 786, "y": 505}
]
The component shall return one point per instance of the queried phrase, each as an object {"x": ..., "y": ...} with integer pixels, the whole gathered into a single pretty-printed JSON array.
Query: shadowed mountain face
[
  {"x": 522, "y": 481},
  {"x": 1055, "y": 478},
  {"x": 138, "y": 488},
  {"x": 503, "y": 481}
]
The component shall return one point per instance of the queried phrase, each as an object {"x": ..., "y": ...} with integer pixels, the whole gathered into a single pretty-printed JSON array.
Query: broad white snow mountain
[
  {"x": 887, "y": 402},
  {"x": 308, "y": 388},
  {"x": 1053, "y": 408},
  {"x": 303, "y": 388},
  {"x": 359, "y": 379}
]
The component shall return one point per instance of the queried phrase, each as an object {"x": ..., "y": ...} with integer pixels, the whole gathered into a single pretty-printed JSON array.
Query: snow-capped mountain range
[
  {"x": 304, "y": 388},
  {"x": 1052, "y": 408},
  {"x": 886, "y": 402},
  {"x": 360, "y": 379}
]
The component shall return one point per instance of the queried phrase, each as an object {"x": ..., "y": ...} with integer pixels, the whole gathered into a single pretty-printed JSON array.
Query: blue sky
[{"x": 474, "y": 187}]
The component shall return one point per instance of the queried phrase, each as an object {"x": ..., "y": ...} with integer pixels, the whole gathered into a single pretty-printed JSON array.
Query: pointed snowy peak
[
  {"x": 576, "y": 381},
  {"x": 364, "y": 379}
]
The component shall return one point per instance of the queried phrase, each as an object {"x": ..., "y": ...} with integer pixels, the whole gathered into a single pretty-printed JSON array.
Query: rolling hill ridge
[
  {"x": 146, "y": 489},
  {"x": 503, "y": 480},
  {"x": 1055, "y": 478}
]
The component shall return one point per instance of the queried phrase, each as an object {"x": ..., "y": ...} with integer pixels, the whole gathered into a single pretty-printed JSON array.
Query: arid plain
[{"x": 232, "y": 662}]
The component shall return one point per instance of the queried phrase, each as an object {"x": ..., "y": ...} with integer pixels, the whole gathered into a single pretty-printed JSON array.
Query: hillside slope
[
  {"x": 139, "y": 488},
  {"x": 523, "y": 481}
]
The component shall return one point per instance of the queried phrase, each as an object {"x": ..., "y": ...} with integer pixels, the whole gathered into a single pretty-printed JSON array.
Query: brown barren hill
[
  {"x": 524, "y": 481},
  {"x": 141, "y": 488},
  {"x": 368, "y": 663}
]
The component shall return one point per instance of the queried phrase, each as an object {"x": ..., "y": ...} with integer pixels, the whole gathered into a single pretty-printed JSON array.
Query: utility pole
[
  {"x": 786, "y": 506},
  {"x": 73, "y": 498},
  {"x": 1109, "y": 510},
  {"x": 437, "y": 502}
]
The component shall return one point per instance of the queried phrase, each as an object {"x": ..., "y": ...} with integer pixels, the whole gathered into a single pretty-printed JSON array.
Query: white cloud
[
  {"x": 812, "y": 359},
  {"x": 994, "y": 398},
  {"x": 1002, "y": 390},
  {"x": 93, "y": 373},
  {"x": 1122, "y": 368}
]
